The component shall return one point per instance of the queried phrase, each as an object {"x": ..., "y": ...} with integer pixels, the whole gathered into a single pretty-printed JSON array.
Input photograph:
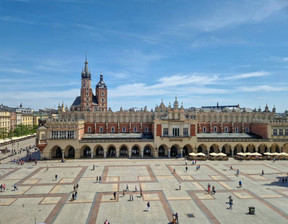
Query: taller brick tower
[
  {"x": 101, "y": 94},
  {"x": 86, "y": 90}
]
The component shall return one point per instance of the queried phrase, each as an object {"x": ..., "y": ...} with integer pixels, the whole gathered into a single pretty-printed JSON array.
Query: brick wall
[
  {"x": 260, "y": 129},
  {"x": 158, "y": 130}
]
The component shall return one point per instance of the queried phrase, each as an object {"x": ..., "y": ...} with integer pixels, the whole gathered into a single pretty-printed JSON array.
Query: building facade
[{"x": 89, "y": 130}]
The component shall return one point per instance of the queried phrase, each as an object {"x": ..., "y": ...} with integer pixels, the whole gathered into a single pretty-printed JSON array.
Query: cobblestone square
[{"x": 41, "y": 198}]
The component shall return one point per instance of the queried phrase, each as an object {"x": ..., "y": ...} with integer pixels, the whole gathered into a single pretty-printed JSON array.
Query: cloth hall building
[{"x": 89, "y": 129}]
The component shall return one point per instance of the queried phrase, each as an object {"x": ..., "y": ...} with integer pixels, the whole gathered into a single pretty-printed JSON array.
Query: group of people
[
  {"x": 98, "y": 178},
  {"x": 75, "y": 192},
  {"x": 2, "y": 187},
  {"x": 175, "y": 218},
  {"x": 213, "y": 191}
]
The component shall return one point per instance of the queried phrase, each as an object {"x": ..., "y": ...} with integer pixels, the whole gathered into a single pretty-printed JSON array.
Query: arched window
[
  {"x": 215, "y": 129},
  {"x": 89, "y": 129},
  {"x": 247, "y": 129},
  {"x": 204, "y": 129},
  {"x": 226, "y": 129},
  {"x": 101, "y": 129},
  {"x": 135, "y": 129},
  {"x": 146, "y": 129},
  {"x": 236, "y": 129},
  {"x": 112, "y": 129},
  {"x": 124, "y": 129}
]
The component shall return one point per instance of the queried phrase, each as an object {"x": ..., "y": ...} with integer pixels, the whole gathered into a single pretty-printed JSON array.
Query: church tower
[
  {"x": 86, "y": 90},
  {"x": 101, "y": 94}
]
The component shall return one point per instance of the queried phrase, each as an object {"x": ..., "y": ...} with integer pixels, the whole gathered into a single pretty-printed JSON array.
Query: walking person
[
  {"x": 237, "y": 172},
  {"x": 230, "y": 203},
  {"x": 240, "y": 184},
  {"x": 262, "y": 172},
  {"x": 213, "y": 190},
  {"x": 114, "y": 194},
  {"x": 186, "y": 168},
  {"x": 136, "y": 188},
  {"x": 148, "y": 206},
  {"x": 56, "y": 176},
  {"x": 100, "y": 178},
  {"x": 231, "y": 168},
  {"x": 127, "y": 187},
  {"x": 15, "y": 187},
  {"x": 179, "y": 186}
]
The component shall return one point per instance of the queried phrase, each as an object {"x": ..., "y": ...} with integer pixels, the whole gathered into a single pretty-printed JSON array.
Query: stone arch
[
  {"x": 148, "y": 150},
  {"x": 238, "y": 148},
  {"x": 135, "y": 150},
  {"x": 186, "y": 150},
  {"x": 202, "y": 148},
  {"x": 214, "y": 148},
  {"x": 85, "y": 151},
  {"x": 251, "y": 148},
  {"x": 56, "y": 152},
  {"x": 174, "y": 151},
  {"x": 227, "y": 149},
  {"x": 111, "y": 151},
  {"x": 98, "y": 151},
  {"x": 275, "y": 148},
  {"x": 70, "y": 152},
  {"x": 123, "y": 151},
  {"x": 263, "y": 148},
  {"x": 162, "y": 150},
  {"x": 285, "y": 148}
]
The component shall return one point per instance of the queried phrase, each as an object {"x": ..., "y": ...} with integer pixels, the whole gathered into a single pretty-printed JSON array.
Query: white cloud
[
  {"x": 247, "y": 75},
  {"x": 285, "y": 59},
  {"x": 15, "y": 70},
  {"x": 236, "y": 13},
  {"x": 264, "y": 88}
]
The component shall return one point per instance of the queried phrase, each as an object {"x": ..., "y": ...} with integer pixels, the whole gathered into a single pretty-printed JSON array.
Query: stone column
[
  {"x": 63, "y": 154},
  {"x": 129, "y": 153},
  {"x": 77, "y": 153},
  {"x": 104, "y": 153},
  {"x": 169, "y": 150},
  {"x": 117, "y": 152},
  {"x": 181, "y": 152},
  {"x": 92, "y": 154},
  {"x": 142, "y": 153}
]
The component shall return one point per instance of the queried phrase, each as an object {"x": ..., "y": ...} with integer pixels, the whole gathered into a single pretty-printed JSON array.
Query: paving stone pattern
[{"x": 42, "y": 198}]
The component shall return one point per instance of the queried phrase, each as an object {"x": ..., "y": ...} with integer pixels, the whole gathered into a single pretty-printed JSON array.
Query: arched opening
[
  {"x": 71, "y": 153},
  {"x": 285, "y": 148},
  {"x": 202, "y": 148},
  {"x": 111, "y": 152},
  {"x": 238, "y": 148},
  {"x": 262, "y": 148},
  {"x": 123, "y": 151},
  {"x": 161, "y": 151},
  {"x": 214, "y": 148},
  {"x": 56, "y": 153},
  {"x": 135, "y": 151},
  {"x": 275, "y": 148},
  {"x": 227, "y": 149},
  {"x": 86, "y": 153},
  {"x": 251, "y": 148},
  {"x": 186, "y": 150},
  {"x": 99, "y": 152},
  {"x": 174, "y": 151},
  {"x": 147, "y": 150}
]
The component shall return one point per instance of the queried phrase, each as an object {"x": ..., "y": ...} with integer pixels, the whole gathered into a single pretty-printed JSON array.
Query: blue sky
[{"x": 202, "y": 51}]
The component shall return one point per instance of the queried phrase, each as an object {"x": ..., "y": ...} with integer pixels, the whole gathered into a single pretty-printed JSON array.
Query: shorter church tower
[{"x": 101, "y": 94}]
